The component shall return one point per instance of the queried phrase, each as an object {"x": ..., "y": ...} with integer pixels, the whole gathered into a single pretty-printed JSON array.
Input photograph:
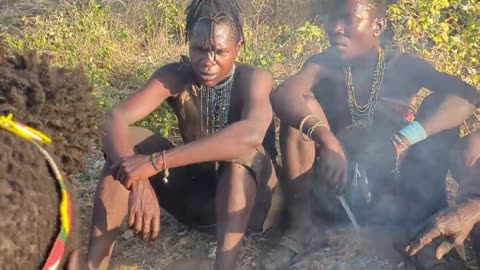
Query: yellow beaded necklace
[{"x": 362, "y": 114}]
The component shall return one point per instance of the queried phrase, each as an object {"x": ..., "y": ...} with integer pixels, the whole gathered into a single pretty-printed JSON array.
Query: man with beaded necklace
[
  {"x": 222, "y": 176},
  {"x": 357, "y": 131}
]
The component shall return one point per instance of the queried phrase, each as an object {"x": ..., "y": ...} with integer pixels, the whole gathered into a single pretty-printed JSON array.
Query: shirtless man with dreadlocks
[
  {"x": 354, "y": 137},
  {"x": 222, "y": 176}
]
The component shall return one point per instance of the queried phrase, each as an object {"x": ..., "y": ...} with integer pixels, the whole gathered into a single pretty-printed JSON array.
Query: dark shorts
[{"x": 190, "y": 192}]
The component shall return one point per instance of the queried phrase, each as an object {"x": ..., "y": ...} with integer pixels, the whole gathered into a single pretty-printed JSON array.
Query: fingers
[
  {"x": 147, "y": 224},
  {"x": 131, "y": 217},
  {"x": 125, "y": 177},
  {"x": 156, "y": 226},
  {"x": 137, "y": 226},
  {"x": 444, "y": 248},
  {"x": 115, "y": 169},
  {"x": 76, "y": 261},
  {"x": 448, "y": 244},
  {"x": 334, "y": 176},
  {"x": 118, "y": 172},
  {"x": 129, "y": 182},
  {"x": 424, "y": 238},
  {"x": 338, "y": 178}
]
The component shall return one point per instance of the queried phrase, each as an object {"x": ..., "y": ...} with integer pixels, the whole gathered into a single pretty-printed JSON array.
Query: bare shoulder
[
  {"x": 249, "y": 72},
  {"x": 252, "y": 78},
  {"x": 409, "y": 63},
  {"x": 173, "y": 76},
  {"x": 325, "y": 60}
]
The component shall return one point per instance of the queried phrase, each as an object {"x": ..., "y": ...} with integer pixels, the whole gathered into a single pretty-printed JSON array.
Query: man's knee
[
  {"x": 429, "y": 105},
  {"x": 467, "y": 151},
  {"x": 234, "y": 171},
  {"x": 138, "y": 134},
  {"x": 146, "y": 142}
]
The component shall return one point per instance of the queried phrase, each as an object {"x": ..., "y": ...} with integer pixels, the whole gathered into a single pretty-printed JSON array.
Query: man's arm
[
  {"x": 237, "y": 139},
  {"x": 290, "y": 106},
  {"x": 461, "y": 99},
  {"x": 116, "y": 139},
  {"x": 288, "y": 99}
]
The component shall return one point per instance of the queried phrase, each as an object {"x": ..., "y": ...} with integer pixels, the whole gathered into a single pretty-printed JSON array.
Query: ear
[
  {"x": 238, "y": 48},
  {"x": 240, "y": 44},
  {"x": 379, "y": 26}
]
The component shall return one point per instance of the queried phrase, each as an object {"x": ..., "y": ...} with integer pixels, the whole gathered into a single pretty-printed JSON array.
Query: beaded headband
[{"x": 36, "y": 137}]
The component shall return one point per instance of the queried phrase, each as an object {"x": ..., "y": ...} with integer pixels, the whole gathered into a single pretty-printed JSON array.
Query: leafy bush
[
  {"x": 444, "y": 31},
  {"x": 120, "y": 46}
]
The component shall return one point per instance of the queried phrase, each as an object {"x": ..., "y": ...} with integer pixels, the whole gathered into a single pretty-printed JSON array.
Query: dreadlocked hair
[
  {"x": 59, "y": 102},
  {"x": 215, "y": 12}
]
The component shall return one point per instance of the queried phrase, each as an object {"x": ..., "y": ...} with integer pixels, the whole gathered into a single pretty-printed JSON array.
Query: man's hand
[
  {"x": 331, "y": 163},
  {"x": 76, "y": 261},
  {"x": 144, "y": 210},
  {"x": 132, "y": 169},
  {"x": 454, "y": 224}
]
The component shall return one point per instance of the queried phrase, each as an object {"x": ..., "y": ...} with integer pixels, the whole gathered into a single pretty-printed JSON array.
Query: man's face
[
  {"x": 351, "y": 28},
  {"x": 211, "y": 67}
]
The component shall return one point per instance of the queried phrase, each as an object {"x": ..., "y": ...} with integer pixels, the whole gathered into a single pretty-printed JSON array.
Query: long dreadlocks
[{"x": 215, "y": 12}]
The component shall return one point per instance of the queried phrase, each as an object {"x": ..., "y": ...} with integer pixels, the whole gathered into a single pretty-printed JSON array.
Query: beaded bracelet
[
  {"x": 399, "y": 141},
  {"x": 312, "y": 128},
  {"x": 414, "y": 133},
  {"x": 401, "y": 146},
  {"x": 153, "y": 161}
]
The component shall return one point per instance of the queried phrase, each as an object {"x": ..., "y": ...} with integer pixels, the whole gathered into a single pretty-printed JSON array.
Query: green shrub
[
  {"x": 119, "y": 52},
  {"x": 446, "y": 32}
]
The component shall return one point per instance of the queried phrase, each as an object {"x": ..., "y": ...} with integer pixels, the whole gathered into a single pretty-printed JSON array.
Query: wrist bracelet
[
  {"x": 302, "y": 123},
  {"x": 312, "y": 128},
  {"x": 414, "y": 133},
  {"x": 399, "y": 141},
  {"x": 153, "y": 161}
]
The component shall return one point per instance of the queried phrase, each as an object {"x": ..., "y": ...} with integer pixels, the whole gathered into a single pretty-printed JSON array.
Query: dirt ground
[
  {"x": 182, "y": 248},
  {"x": 178, "y": 247}
]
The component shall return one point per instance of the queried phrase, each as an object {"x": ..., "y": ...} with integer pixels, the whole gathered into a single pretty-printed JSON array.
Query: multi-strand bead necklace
[
  {"x": 362, "y": 114},
  {"x": 215, "y": 104}
]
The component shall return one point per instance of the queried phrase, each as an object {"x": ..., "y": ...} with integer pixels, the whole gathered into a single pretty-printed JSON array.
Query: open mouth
[
  {"x": 207, "y": 76},
  {"x": 338, "y": 44}
]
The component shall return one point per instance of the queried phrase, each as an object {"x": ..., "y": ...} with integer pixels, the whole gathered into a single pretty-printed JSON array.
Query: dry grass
[
  {"x": 179, "y": 247},
  {"x": 182, "y": 248},
  {"x": 129, "y": 45}
]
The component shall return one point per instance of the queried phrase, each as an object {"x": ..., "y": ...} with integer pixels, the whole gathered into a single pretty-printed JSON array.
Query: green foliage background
[{"x": 120, "y": 44}]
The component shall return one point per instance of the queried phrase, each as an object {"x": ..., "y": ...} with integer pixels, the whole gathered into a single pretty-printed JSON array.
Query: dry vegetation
[{"x": 120, "y": 42}]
